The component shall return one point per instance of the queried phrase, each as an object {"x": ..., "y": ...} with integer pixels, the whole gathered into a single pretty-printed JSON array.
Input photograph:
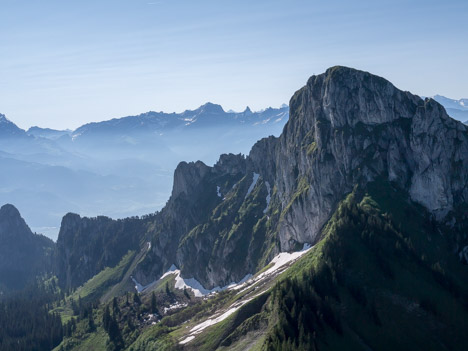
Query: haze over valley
[{"x": 118, "y": 168}]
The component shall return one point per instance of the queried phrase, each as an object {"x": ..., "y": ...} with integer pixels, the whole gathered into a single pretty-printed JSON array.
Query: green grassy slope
[{"x": 384, "y": 277}]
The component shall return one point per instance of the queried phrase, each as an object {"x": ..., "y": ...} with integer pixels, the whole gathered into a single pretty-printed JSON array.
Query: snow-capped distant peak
[{"x": 461, "y": 104}]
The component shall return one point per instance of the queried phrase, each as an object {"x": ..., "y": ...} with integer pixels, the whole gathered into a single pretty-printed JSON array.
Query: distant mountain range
[
  {"x": 457, "y": 109},
  {"x": 120, "y": 167},
  {"x": 123, "y": 167},
  {"x": 153, "y": 123}
]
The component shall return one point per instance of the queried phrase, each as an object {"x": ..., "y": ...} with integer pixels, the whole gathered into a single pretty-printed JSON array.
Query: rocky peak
[
  {"x": 12, "y": 225},
  {"x": 9, "y": 129},
  {"x": 70, "y": 222},
  {"x": 230, "y": 164},
  {"x": 345, "y": 96},
  {"x": 187, "y": 177},
  {"x": 350, "y": 127},
  {"x": 211, "y": 108},
  {"x": 9, "y": 210}
]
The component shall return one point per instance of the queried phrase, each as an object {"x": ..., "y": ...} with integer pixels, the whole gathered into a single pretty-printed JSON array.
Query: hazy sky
[{"x": 64, "y": 63}]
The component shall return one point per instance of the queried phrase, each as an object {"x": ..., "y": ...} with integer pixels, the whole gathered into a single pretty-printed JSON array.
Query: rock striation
[{"x": 350, "y": 127}]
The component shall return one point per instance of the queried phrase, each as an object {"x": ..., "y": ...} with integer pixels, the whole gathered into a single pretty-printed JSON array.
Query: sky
[{"x": 65, "y": 63}]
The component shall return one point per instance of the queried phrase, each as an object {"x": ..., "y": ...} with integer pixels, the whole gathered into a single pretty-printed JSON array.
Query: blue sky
[{"x": 65, "y": 63}]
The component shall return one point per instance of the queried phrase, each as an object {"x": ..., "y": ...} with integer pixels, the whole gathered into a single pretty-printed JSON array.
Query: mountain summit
[
  {"x": 349, "y": 127},
  {"x": 8, "y": 129},
  {"x": 11, "y": 223}
]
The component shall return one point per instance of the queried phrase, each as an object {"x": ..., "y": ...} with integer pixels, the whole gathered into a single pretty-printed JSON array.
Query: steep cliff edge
[{"x": 349, "y": 127}]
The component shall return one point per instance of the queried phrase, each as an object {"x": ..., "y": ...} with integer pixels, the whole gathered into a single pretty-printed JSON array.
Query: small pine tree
[
  {"x": 106, "y": 318},
  {"x": 91, "y": 325},
  {"x": 167, "y": 289},
  {"x": 136, "y": 298},
  {"x": 187, "y": 295},
  {"x": 154, "y": 309},
  {"x": 115, "y": 306}
]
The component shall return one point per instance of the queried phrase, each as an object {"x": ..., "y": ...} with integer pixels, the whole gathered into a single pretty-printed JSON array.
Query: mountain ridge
[{"x": 346, "y": 127}]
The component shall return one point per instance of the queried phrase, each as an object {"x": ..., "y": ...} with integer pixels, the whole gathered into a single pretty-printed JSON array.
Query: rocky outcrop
[
  {"x": 23, "y": 254},
  {"x": 198, "y": 190},
  {"x": 349, "y": 127},
  {"x": 86, "y": 246}
]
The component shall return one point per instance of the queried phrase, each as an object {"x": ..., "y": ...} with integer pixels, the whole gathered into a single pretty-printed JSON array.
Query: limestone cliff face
[
  {"x": 346, "y": 128},
  {"x": 349, "y": 127}
]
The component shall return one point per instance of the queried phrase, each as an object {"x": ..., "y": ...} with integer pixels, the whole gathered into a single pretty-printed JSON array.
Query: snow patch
[
  {"x": 268, "y": 198},
  {"x": 75, "y": 136},
  {"x": 209, "y": 322},
  {"x": 212, "y": 321},
  {"x": 172, "y": 270},
  {"x": 187, "y": 340},
  {"x": 218, "y": 192},
  {"x": 254, "y": 182},
  {"x": 277, "y": 263},
  {"x": 284, "y": 258},
  {"x": 194, "y": 285},
  {"x": 149, "y": 245},
  {"x": 175, "y": 306},
  {"x": 139, "y": 287}
]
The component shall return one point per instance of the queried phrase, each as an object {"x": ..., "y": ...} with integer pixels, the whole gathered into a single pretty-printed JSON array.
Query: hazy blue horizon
[{"x": 64, "y": 64}]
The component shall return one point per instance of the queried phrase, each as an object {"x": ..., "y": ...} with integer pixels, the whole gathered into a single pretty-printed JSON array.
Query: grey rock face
[
  {"x": 349, "y": 127},
  {"x": 187, "y": 177},
  {"x": 196, "y": 192}
]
